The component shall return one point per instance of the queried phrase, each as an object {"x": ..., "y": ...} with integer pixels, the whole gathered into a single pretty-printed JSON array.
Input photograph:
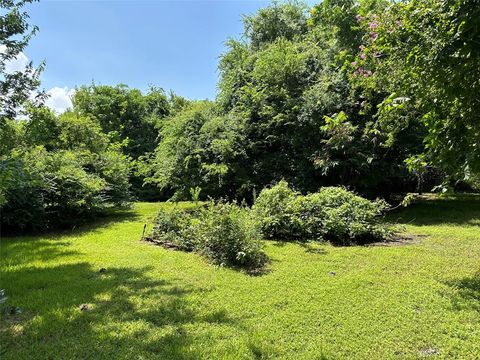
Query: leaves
[
  {"x": 16, "y": 87},
  {"x": 59, "y": 172}
]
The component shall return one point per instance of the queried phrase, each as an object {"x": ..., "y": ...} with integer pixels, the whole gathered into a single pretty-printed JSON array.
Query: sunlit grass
[{"x": 364, "y": 302}]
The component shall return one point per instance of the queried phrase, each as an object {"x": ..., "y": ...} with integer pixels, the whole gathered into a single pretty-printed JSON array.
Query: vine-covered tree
[
  {"x": 300, "y": 115},
  {"x": 425, "y": 54}
]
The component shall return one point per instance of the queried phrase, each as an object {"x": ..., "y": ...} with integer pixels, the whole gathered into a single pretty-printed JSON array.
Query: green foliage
[
  {"x": 273, "y": 208},
  {"x": 224, "y": 233},
  {"x": 41, "y": 129},
  {"x": 60, "y": 171},
  {"x": 195, "y": 193},
  {"x": 16, "y": 86},
  {"x": 198, "y": 148},
  {"x": 125, "y": 114},
  {"x": 131, "y": 118},
  {"x": 320, "y": 98},
  {"x": 333, "y": 214},
  {"x": 348, "y": 218},
  {"x": 173, "y": 228},
  {"x": 410, "y": 49},
  {"x": 229, "y": 235},
  {"x": 286, "y": 20},
  {"x": 285, "y": 87}
]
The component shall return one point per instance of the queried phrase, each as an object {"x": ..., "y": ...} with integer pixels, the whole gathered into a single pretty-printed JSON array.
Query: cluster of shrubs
[
  {"x": 58, "y": 171},
  {"x": 333, "y": 214},
  {"x": 225, "y": 233},
  {"x": 229, "y": 234}
]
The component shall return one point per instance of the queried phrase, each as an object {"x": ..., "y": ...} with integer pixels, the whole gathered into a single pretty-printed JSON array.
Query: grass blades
[{"x": 317, "y": 302}]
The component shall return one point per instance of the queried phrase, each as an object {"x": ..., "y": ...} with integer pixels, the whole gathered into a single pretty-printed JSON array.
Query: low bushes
[
  {"x": 333, "y": 214},
  {"x": 273, "y": 209},
  {"x": 226, "y": 234},
  {"x": 172, "y": 228},
  {"x": 62, "y": 188}
]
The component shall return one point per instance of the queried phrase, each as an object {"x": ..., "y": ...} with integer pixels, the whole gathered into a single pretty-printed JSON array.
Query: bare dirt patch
[
  {"x": 14, "y": 324},
  {"x": 165, "y": 244},
  {"x": 400, "y": 240}
]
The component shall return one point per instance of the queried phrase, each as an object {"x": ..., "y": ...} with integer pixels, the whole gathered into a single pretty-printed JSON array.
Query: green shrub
[
  {"x": 62, "y": 188},
  {"x": 225, "y": 234},
  {"x": 229, "y": 235},
  {"x": 58, "y": 172},
  {"x": 173, "y": 228},
  {"x": 307, "y": 218},
  {"x": 333, "y": 214},
  {"x": 273, "y": 208},
  {"x": 350, "y": 218}
]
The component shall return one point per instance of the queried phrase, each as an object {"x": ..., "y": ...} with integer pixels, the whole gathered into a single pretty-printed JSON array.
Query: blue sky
[{"x": 171, "y": 44}]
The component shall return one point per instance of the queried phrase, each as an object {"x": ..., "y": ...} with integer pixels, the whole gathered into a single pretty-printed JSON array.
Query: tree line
[{"x": 375, "y": 95}]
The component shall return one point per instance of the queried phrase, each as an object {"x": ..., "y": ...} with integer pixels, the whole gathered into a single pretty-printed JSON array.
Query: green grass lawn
[{"x": 407, "y": 301}]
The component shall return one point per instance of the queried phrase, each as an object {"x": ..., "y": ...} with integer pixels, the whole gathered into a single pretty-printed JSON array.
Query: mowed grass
[{"x": 406, "y": 301}]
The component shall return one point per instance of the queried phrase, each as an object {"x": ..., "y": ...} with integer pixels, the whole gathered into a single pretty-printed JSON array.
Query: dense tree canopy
[
  {"x": 125, "y": 114},
  {"x": 300, "y": 112},
  {"x": 128, "y": 117},
  {"x": 62, "y": 170},
  {"x": 200, "y": 147}
]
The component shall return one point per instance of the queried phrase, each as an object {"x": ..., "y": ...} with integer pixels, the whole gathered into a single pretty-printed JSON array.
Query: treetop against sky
[{"x": 172, "y": 44}]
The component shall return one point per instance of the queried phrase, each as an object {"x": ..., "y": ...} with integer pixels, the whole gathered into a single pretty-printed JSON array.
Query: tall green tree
[
  {"x": 200, "y": 147},
  {"x": 129, "y": 117},
  {"x": 305, "y": 119},
  {"x": 426, "y": 55},
  {"x": 17, "y": 85},
  {"x": 126, "y": 114}
]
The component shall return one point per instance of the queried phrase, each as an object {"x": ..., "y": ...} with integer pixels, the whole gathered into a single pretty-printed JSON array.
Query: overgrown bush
[
  {"x": 173, "y": 228},
  {"x": 229, "y": 235},
  {"x": 273, "y": 208},
  {"x": 62, "y": 188},
  {"x": 58, "y": 172},
  {"x": 333, "y": 214},
  {"x": 226, "y": 234},
  {"x": 349, "y": 217}
]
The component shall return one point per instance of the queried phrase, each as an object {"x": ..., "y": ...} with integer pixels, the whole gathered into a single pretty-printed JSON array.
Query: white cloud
[
  {"x": 60, "y": 99},
  {"x": 19, "y": 63}
]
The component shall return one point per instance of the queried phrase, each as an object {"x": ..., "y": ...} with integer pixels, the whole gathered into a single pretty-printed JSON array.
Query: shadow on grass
[
  {"x": 16, "y": 250},
  {"x": 313, "y": 247},
  {"x": 114, "y": 217},
  {"x": 467, "y": 293},
  {"x": 25, "y": 250},
  {"x": 126, "y": 314},
  {"x": 106, "y": 220},
  {"x": 456, "y": 211}
]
